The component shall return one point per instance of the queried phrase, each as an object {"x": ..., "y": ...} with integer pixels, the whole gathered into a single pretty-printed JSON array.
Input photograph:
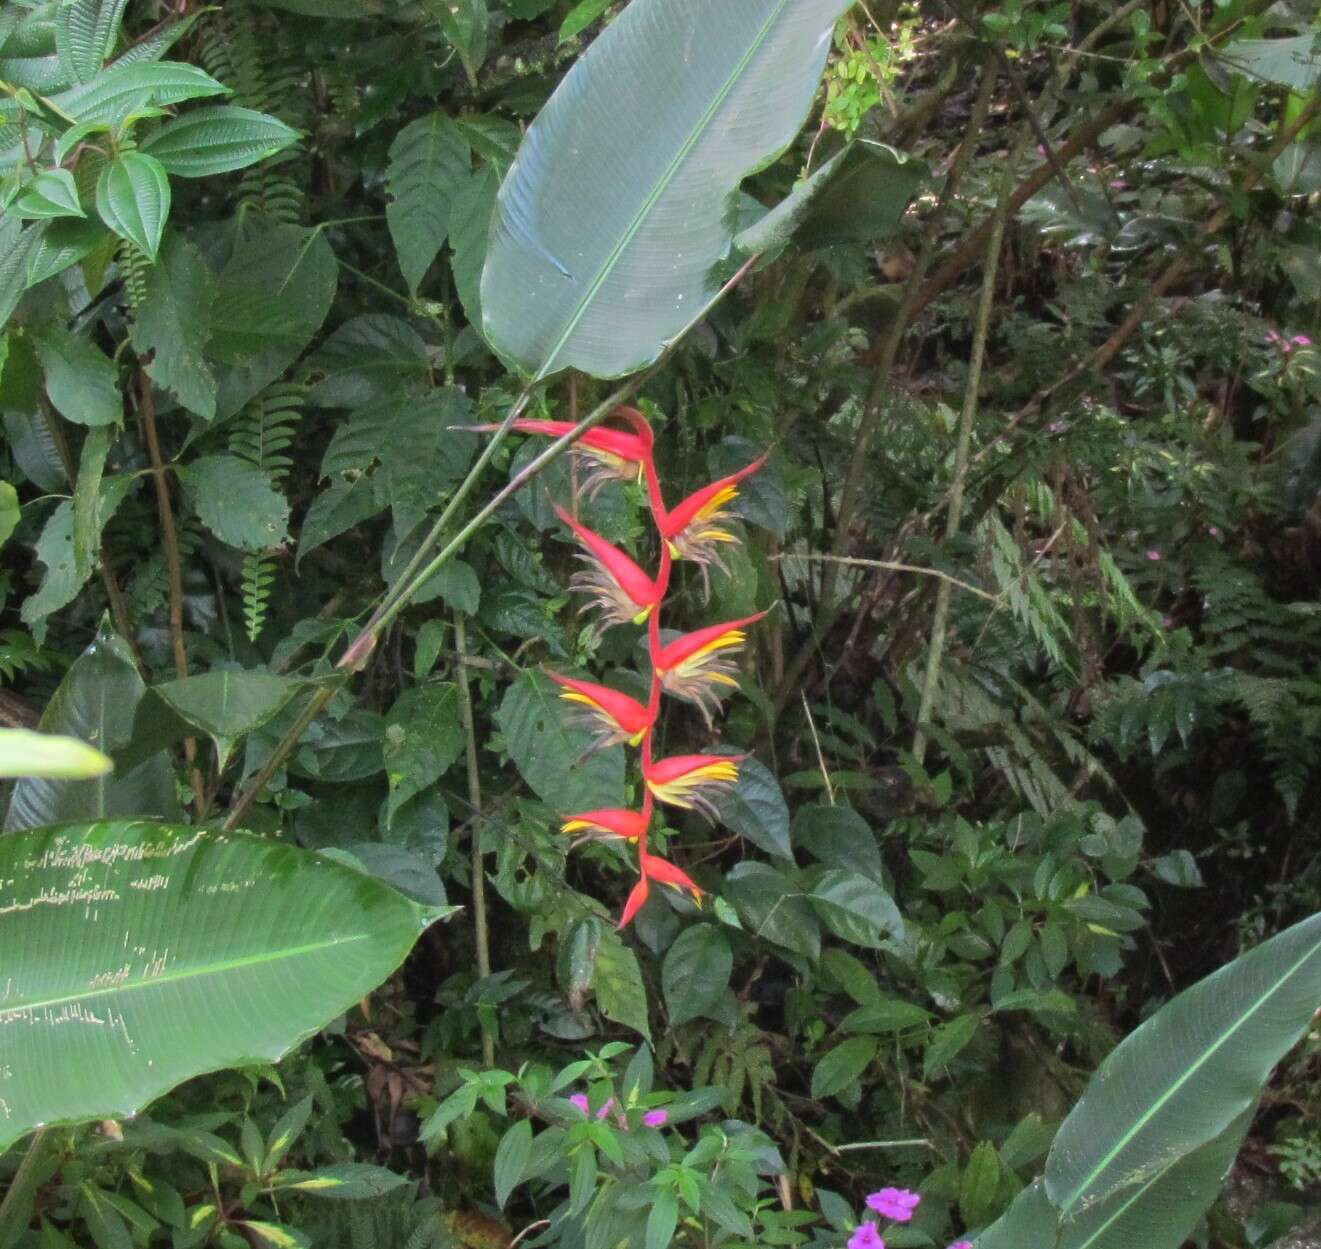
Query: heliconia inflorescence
[{"x": 697, "y": 667}]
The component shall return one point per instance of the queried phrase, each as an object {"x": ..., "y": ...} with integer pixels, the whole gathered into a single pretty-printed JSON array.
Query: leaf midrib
[
  {"x": 1206, "y": 1057},
  {"x": 190, "y": 973},
  {"x": 667, "y": 176}
]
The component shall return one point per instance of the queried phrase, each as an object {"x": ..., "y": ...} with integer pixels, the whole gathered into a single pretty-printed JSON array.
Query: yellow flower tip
[
  {"x": 643, "y": 616},
  {"x": 675, "y": 553},
  {"x": 636, "y": 739},
  {"x": 574, "y": 826}
]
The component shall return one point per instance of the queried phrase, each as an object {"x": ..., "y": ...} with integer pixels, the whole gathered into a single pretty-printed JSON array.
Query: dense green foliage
[{"x": 1033, "y": 719}]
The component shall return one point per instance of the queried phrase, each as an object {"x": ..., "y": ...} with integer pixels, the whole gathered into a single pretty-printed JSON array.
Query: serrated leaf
[
  {"x": 617, "y": 982},
  {"x": 85, "y": 32},
  {"x": 429, "y": 163},
  {"x": 271, "y": 298},
  {"x": 217, "y": 140},
  {"x": 81, "y": 380},
  {"x": 133, "y": 199},
  {"x": 423, "y": 738},
  {"x": 237, "y": 501},
  {"x": 172, "y": 325},
  {"x": 58, "y": 244},
  {"x": 132, "y": 85}
]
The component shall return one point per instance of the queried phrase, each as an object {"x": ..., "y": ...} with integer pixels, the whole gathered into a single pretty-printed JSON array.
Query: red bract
[
  {"x": 697, "y": 666},
  {"x": 623, "y": 592},
  {"x": 693, "y": 530},
  {"x": 613, "y": 717},
  {"x": 607, "y": 454},
  {"x": 607, "y": 822}
]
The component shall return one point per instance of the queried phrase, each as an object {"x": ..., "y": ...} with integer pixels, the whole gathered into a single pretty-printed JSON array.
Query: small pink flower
[
  {"x": 1154, "y": 556},
  {"x": 1117, "y": 184},
  {"x": 656, "y": 1118},
  {"x": 606, "y": 1109},
  {"x": 961, "y": 1244},
  {"x": 1213, "y": 530},
  {"x": 866, "y": 1237},
  {"x": 1301, "y": 340},
  {"x": 894, "y": 1203},
  {"x": 580, "y": 1100},
  {"x": 1273, "y": 336}
]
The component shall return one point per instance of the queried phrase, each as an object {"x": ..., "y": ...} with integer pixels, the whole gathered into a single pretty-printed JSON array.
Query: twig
[
  {"x": 483, "y": 936},
  {"x": 820, "y": 758},
  {"x": 888, "y": 565},
  {"x": 967, "y": 419},
  {"x": 173, "y": 567}
]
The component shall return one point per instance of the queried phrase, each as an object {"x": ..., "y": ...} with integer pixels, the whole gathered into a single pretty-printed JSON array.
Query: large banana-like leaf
[
  {"x": 1143, "y": 1154},
  {"x": 1181, "y": 1079},
  {"x": 137, "y": 955},
  {"x": 618, "y": 208}
]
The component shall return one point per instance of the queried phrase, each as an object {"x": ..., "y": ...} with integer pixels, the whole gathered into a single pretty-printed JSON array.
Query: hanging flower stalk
[{"x": 697, "y": 667}]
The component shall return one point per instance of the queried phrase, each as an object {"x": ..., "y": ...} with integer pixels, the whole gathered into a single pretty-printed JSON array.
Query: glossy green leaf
[
  {"x": 603, "y": 247},
  {"x": 237, "y": 501},
  {"x": 25, "y": 753},
  {"x": 511, "y": 1158},
  {"x": 172, "y": 325},
  {"x": 81, "y": 380},
  {"x": 695, "y": 973},
  {"x": 218, "y": 139},
  {"x": 169, "y": 952},
  {"x": 51, "y": 193},
  {"x": 979, "y": 1185},
  {"x": 228, "y": 703},
  {"x": 866, "y": 198},
  {"x": 1291, "y": 62},
  {"x": 581, "y": 16},
  {"x": 343, "y": 1181},
  {"x": 840, "y": 1067},
  {"x": 465, "y": 24},
  {"x": 9, "y": 509},
  {"x": 552, "y": 757},
  {"x": 839, "y": 837},
  {"x": 96, "y": 703},
  {"x": 773, "y": 907},
  {"x": 133, "y": 199},
  {"x": 856, "y": 908},
  {"x": 755, "y": 809},
  {"x": 1179, "y": 1081},
  {"x": 429, "y": 162}
]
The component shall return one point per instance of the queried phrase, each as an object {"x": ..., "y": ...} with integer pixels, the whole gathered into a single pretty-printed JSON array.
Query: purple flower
[
  {"x": 656, "y": 1118},
  {"x": 894, "y": 1203},
  {"x": 1154, "y": 556},
  {"x": 1302, "y": 340},
  {"x": 961, "y": 1244},
  {"x": 606, "y": 1109},
  {"x": 579, "y": 1100},
  {"x": 866, "y": 1237}
]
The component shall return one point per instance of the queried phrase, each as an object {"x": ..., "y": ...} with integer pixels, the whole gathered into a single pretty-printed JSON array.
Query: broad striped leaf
[{"x": 603, "y": 246}]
